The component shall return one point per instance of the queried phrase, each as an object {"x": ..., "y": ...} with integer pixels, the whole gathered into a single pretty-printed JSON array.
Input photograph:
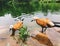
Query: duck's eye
[{"x": 32, "y": 20}]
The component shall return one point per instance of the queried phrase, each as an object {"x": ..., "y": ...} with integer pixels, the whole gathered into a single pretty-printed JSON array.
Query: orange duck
[
  {"x": 16, "y": 26},
  {"x": 45, "y": 23}
]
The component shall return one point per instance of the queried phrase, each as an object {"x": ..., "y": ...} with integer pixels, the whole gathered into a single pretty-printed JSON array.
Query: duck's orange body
[
  {"x": 44, "y": 22},
  {"x": 18, "y": 25}
]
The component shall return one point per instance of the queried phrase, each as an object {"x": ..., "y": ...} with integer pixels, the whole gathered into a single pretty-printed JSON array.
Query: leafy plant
[{"x": 23, "y": 33}]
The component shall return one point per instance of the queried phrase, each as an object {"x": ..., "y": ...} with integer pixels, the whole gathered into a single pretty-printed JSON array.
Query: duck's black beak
[
  {"x": 10, "y": 29},
  {"x": 32, "y": 20}
]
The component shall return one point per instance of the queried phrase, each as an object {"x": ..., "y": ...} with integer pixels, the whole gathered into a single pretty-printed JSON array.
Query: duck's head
[
  {"x": 10, "y": 28},
  {"x": 34, "y": 18}
]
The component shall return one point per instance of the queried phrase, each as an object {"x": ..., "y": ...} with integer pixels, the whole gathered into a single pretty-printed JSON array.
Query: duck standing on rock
[
  {"x": 16, "y": 26},
  {"x": 45, "y": 23}
]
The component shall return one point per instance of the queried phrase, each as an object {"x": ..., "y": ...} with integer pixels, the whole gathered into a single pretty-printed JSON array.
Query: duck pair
[{"x": 43, "y": 22}]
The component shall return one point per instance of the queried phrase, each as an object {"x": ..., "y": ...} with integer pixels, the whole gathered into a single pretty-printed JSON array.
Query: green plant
[{"x": 23, "y": 33}]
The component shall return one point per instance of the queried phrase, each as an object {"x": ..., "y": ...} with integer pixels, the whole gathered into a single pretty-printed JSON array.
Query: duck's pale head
[{"x": 34, "y": 18}]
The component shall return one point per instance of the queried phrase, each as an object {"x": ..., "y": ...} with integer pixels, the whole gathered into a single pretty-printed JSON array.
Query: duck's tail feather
[
  {"x": 56, "y": 25},
  {"x": 56, "y": 22}
]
